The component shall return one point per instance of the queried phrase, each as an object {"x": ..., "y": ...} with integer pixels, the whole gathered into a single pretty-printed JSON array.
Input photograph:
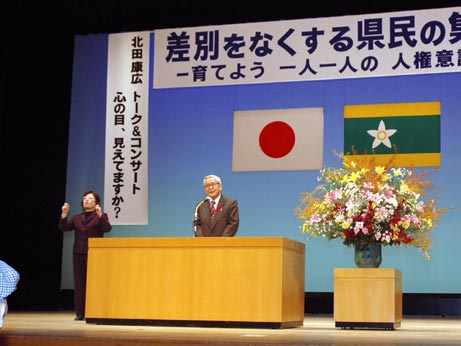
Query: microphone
[{"x": 196, "y": 213}]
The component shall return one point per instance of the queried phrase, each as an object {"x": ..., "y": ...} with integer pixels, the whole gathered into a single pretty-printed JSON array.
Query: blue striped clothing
[{"x": 9, "y": 278}]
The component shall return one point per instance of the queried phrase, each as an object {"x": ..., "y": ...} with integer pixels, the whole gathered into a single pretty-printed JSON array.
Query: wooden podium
[
  {"x": 228, "y": 281},
  {"x": 368, "y": 298}
]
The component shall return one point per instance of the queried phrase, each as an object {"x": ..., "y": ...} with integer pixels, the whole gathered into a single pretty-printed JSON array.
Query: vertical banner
[{"x": 126, "y": 180}]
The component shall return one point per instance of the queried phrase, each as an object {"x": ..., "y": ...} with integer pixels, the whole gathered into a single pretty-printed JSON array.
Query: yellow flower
[
  {"x": 428, "y": 221},
  {"x": 405, "y": 224},
  {"x": 354, "y": 176},
  {"x": 397, "y": 172},
  {"x": 349, "y": 164},
  {"x": 404, "y": 187},
  {"x": 364, "y": 203},
  {"x": 345, "y": 178},
  {"x": 380, "y": 170},
  {"x": 395, "y": 228}
]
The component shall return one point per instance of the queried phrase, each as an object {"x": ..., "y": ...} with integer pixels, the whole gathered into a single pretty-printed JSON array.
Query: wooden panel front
[
  {"x": 207, "y": 279},
  {"x": 368, "y": 295}
]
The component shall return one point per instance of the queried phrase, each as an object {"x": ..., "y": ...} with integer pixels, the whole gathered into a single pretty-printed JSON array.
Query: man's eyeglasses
[{"x": 207, "y": 186}]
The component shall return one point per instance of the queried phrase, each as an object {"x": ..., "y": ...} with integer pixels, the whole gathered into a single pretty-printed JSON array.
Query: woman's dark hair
[{"x": 97, "y": 198}]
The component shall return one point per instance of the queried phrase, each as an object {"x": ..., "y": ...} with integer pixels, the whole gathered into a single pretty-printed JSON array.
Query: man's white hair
[{"x": 211, "y": 176}]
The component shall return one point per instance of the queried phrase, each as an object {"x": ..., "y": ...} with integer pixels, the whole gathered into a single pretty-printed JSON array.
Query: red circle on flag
[{"x": 277, "y": 139}]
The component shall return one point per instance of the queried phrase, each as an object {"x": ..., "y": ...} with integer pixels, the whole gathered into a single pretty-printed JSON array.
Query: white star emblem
[{"x": 381, "y": 135}]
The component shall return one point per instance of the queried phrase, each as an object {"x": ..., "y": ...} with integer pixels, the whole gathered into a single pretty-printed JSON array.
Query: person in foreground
[
  {"x": 91, "y": 223},
  {"x": 9, "y": 278},
  {"x": 217, "y": 215}
]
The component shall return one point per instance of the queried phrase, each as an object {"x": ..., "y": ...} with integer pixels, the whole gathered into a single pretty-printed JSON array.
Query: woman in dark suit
[
  {"x": 217, "y": 215},
  {"x": 91, "y": 223}
]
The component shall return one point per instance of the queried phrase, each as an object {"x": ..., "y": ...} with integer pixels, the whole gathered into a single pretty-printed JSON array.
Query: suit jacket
[
  {"x": 225, "y": 221},
  {"x": 85, "y": 226}
]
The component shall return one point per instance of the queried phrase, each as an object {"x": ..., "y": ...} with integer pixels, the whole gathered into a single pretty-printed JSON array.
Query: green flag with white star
[{"x": 412, "y": 130}]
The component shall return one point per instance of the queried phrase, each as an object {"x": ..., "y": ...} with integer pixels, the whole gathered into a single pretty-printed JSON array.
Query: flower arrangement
[{"x": 364, "y": 203}]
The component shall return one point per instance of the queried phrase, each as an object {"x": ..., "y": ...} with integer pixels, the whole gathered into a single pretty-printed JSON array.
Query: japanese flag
[{"x": 278, "y": 140}]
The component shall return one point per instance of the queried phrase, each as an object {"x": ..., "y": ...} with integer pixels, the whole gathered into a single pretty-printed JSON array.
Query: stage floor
[{"x": 59, "y": 329}]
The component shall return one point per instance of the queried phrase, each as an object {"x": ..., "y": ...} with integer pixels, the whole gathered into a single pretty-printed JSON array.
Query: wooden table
[{"x": 367, "y": 298}]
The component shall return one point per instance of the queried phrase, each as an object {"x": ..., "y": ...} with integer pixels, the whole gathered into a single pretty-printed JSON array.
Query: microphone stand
[{"x": 196, "y": 213}]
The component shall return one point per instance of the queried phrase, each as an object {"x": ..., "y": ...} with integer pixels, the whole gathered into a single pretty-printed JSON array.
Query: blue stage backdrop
[{"x": 183, "y": 121}]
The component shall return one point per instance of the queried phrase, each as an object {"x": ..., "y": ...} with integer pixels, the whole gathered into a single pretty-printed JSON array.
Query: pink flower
[
  {"x": 368, "y": 185},
  {"x": 315, "y": 218}
]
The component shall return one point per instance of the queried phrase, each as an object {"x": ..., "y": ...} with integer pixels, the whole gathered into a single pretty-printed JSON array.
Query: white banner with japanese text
[
  {"x": 372, "y": 45},
  {"x": 126, "y": 152}
]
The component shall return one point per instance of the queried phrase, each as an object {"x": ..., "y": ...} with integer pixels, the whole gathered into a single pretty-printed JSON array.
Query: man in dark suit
[{"x": 217, "y": 215}]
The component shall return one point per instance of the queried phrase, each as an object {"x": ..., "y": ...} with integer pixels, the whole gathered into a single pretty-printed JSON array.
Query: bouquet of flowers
[{"x": 364, "y": 203}]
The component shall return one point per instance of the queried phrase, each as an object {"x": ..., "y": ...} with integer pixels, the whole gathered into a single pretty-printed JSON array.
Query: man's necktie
[{"x": 212, "y": 210}]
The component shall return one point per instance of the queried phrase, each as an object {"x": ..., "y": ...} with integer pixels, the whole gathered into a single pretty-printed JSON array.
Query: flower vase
[{"x": 367, "y": 255}]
